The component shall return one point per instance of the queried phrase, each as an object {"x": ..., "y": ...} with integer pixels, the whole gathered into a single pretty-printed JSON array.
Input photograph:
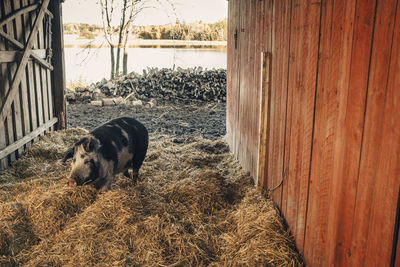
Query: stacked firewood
[{"x": 165, "y": 85}]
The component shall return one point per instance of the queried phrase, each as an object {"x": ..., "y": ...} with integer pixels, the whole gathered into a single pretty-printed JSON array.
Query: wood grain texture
[
  {"x": 378, "y": 178},
  {"x": 21, "y": 66},
  {"x": 303, "y": 72},
  {"x": 27, "y": 138},
  {"x": 233, "y": 57},
  {"x": 286, "y": 58},
  {"x": 264, "y": 119},
  {"x": 18, "y": 115},
  {"x": 26, "y": 86},
  {"x": 10, "y": 70}
]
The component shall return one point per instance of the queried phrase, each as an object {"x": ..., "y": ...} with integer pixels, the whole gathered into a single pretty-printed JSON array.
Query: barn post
[{"x": 58, "y": 64}]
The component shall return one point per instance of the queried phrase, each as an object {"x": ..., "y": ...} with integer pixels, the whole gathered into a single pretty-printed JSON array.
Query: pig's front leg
[{"x": 103, "y": 184}]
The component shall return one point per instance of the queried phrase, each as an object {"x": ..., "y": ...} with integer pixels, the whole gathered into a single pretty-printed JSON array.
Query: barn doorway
[{"x": 176, "y": 65}]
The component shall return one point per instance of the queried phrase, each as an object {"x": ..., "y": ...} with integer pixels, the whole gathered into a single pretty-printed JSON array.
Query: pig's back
[{"x": 123, "y": 140}]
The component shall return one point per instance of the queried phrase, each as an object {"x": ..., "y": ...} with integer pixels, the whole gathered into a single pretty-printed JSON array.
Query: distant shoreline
[{"x": 71, "y": 41}]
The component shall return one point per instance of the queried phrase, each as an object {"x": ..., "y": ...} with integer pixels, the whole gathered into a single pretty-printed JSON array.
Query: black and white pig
[{"x": 114, "y": 147}]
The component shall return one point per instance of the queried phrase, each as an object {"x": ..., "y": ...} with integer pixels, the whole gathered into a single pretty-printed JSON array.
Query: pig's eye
[{"x": 82, "y": 156}]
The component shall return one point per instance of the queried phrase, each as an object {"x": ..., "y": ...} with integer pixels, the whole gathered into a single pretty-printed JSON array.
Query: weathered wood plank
[
  {"x": 13, "y": 56},
  {"x": 21, "y": 67},
  {"x": 58, "y": 74},
  {"x": 18, "y": 119},
  {"x": 241, "y": 144},
  {"x": 252, "y": 95},
  {"x": 303, "y": 73},
  {"x": 284, "y": 32},
  {"x": 3, "y": 87},
  {"x": 9, "y": 120},
  {"x": 279, "y": 81},
  {"x": 32, "y": 97},
  {"x": 258, "y": 33},
  {"x": 25, "y": 82},
  {"x": 27, "y": 138},
  {"x": 267, "y": 47},
  {"x": 17, "y": 13},
  {"x": 264, "y": 84},
  {"x": 379, "y": 167},
  {"x": 18, "y": 44},
  {"x": 48, "y": 43},
  {"x": 36, "y": 76},
  {"x": 38, "y": 94},
  {"x": 274, "y": 95},
  {"x": 230, "y": 72},
  {"x": 328, "y": 220},
  {"x": 287, "y": 50},
  {"x": 264, "y": 119},
  {"x": 31, "y": 76},
  {"x": 42, "y": 74}
]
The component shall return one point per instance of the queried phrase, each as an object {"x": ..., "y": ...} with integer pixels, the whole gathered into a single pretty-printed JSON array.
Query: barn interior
[{"x": 308, "y": 173}]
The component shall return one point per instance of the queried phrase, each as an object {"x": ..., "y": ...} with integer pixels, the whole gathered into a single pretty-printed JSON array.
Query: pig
[{"x": 116, "y": 146}]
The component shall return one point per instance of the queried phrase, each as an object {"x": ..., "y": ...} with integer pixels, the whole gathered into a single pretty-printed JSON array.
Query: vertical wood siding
[
  {"x": 31, "y": 101},
  {"x": 333, "y": 111}
]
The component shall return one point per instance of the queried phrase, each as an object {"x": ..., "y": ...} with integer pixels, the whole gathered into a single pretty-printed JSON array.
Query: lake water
[{"x": 92, "y": 65}]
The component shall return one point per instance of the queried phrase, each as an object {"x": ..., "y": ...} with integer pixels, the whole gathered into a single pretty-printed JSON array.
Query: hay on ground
[{"x": 193, "y": 205}]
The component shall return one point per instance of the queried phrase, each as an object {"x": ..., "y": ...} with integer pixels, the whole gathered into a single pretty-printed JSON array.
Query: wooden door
[
  {"x": 233, "y": 67},
  {"x": 27, "y": 88}
]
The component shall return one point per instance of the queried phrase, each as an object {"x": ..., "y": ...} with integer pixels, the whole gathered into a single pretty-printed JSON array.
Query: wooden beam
[
  {"x": 58, "y": 75},
  {"x": 18, "y": 13},
  {"x": 18, "y": 44},
  {"x": 27, "y": 138},
  {"x": 264, "y": 119},
  {"x": 6, "y": 108},
  {"x": 12, "y": 56},
  {"x": 21, "y": 11}
]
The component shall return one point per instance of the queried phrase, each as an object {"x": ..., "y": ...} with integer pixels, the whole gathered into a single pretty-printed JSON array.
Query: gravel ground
[{"x": 206, "y": 120}]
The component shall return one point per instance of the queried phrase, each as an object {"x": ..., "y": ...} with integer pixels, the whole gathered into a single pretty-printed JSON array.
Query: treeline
[
  {"x": 85, "y": 31},
  {"x": 198, "y": 31}
]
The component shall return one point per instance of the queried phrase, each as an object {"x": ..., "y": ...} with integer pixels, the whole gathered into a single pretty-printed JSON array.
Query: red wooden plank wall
[{"x": 333, "y": 148}]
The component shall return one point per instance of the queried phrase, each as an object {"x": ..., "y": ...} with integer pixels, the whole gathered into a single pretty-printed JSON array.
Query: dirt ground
[{"x": 205, "y": 120}]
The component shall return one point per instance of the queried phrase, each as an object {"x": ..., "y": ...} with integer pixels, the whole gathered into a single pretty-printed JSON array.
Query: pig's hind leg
[{"x": 134, "y": 174}]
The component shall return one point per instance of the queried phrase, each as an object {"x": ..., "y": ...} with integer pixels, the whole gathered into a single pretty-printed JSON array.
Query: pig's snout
[{"x": 72, "y": 182}]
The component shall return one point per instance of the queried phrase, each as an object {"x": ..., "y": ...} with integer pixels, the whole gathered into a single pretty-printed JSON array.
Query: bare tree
[{"x": 125, "y": 11}]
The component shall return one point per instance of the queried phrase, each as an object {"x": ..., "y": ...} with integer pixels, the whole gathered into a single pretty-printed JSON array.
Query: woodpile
[{"x": 164, "y": 85}]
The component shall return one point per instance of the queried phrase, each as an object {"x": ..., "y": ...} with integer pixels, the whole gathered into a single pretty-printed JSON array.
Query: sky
[{"x": 88, "y": 11}]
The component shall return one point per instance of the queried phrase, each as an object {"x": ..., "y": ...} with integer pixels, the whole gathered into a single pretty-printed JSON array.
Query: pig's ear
[
  {"x": 92, "y": 144},
  {"x": 69, "y": 154}
]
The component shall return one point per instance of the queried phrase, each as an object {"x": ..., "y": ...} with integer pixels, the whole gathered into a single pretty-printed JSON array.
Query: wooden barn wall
[
  {"x": 31, "y": 74},
  {"x": 330, "y": 114}
]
